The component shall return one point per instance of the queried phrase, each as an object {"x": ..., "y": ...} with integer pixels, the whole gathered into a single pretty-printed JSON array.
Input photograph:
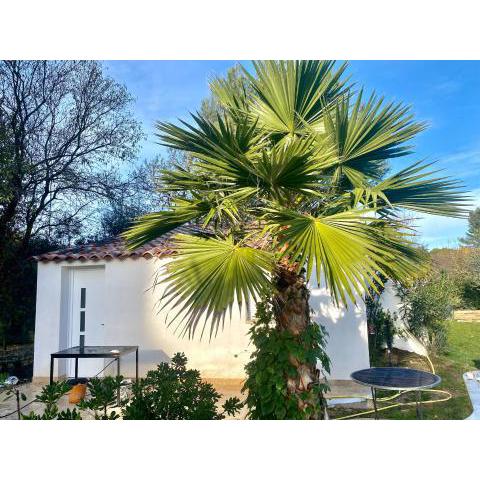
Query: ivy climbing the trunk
[{"x": 283, "y": 378}]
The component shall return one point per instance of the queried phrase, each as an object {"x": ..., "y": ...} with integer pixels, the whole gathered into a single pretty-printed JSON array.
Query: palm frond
[
  {"x": 289, "y": 170},
  {"x": 227, "y": 210},
  {"x": 347, "y": 249},
  {"x": 207, "y": 277},
  {"x": 289, "y": 93},
  {"x": 181, "y": 179},
  {"x": 366, "y": 135},
  {"x": 223, "y": 150},
  {"x": 406, "y": 259},
  {"x": 416, "y": 188},
  {"x": 153, "y": 225}
]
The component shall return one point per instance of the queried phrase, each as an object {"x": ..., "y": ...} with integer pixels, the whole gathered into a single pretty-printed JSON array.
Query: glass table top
[
  {"x": 92, "y": 351},
  {"x": 395, "y": 378}
]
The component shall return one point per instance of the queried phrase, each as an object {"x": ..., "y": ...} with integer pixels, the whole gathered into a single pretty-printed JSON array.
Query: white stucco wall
[
  {"x": 347, "y": 330},
  {"x": 137, "y": 319},
  {"x": 132, "y": 317},
  {"x": 47, "y": 318}
]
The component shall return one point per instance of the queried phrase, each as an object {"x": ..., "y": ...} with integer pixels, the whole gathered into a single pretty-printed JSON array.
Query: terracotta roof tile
[{"x": 115, "y": 248}]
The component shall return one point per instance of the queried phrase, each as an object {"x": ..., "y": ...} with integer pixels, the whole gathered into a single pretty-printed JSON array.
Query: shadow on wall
[
  {"x": 222, "y": 356},
  {"x": 147, "y": 360},
  {"x": 347, "y": 342}
]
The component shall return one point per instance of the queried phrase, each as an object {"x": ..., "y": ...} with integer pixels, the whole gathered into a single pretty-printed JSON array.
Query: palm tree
[{"x": 288, "y": 180}]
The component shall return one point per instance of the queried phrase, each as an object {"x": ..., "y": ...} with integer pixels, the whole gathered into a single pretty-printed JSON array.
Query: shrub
[
  {"x": 381, "y": 325},
  {"x": 171, "y": 392},
  {"x": 174, "y": 392},
  {"x": 470, "y": 291},
  {"x": 428, "y": 307},
  {"x": 103, "y": 394},
  {"x": 468, "y": 280},
  {"x": 268, "y": 397},
  {"x": 49, "y": 396},
  {"x": 463, "y": 266}
]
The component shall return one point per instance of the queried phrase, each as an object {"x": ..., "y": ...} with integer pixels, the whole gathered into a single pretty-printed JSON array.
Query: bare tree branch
[{"x": 66, "y": 124}]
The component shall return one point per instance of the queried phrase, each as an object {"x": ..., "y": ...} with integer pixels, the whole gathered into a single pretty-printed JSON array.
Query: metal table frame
[
  {"x": 82, "y": 352},
  {"x": 418, "y": 389}
]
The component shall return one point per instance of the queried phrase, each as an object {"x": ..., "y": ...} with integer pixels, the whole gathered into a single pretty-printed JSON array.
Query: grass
[{"x": 462, "y": 355}]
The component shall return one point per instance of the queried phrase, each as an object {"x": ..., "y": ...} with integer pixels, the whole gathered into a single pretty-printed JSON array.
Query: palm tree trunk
[{"x": 292, "y": 313}]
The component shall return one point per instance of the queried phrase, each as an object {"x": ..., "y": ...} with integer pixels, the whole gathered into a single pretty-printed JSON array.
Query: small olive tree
[{"x": 428, "y": 306}]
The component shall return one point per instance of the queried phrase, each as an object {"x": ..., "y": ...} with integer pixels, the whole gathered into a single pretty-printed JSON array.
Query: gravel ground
[
  {"x": 226, "y": 388},
  {"x": 31, "y": 390}
]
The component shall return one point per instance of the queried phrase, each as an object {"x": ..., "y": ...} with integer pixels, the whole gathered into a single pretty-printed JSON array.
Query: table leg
[
  {"x": 118, "y": 375},
  {"x": 419, "y": 405},
  {"x": 76, "y": 369},
  {"x": 136, "y": 365},
  {"x": 51, "y": 369},
  {"x": 374, "y": 398}
]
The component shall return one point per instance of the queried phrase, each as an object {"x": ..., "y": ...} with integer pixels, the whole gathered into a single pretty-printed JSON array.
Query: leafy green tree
[
  {"x": 468, "y": 277},
  {"x": 462, "y": 265},
  {"x": 235, "y": 82},
  {"x": 427, "y": 307},
  {"x": 468, "y": 280},
  {"x": 289, "y": 181},
  {"x": 138, "y": 196},
  {"x": 65, "y": 127},
  {"x": 472, "y": 238},
  {"x": 6, "y": 155}
]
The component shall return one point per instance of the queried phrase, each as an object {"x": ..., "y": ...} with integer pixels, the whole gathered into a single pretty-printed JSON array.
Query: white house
[{"x": 102, "y": 295}]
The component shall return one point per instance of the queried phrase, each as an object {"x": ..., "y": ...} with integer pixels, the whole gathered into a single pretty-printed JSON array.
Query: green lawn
[{"x": 463, "y": 355}]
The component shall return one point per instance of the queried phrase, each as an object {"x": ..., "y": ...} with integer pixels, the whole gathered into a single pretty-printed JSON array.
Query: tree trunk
[{"x": 292, "y": 312}]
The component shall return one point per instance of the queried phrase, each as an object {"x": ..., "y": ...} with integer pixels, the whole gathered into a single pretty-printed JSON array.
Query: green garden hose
[{"x": 367, "y": 412}]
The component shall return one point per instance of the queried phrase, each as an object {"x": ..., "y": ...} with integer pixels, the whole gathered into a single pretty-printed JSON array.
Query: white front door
[{"x": 87, "y": 320}]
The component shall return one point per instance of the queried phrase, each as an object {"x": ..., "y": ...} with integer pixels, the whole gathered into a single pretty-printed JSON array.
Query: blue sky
[{"x": 446, "y": 94}]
